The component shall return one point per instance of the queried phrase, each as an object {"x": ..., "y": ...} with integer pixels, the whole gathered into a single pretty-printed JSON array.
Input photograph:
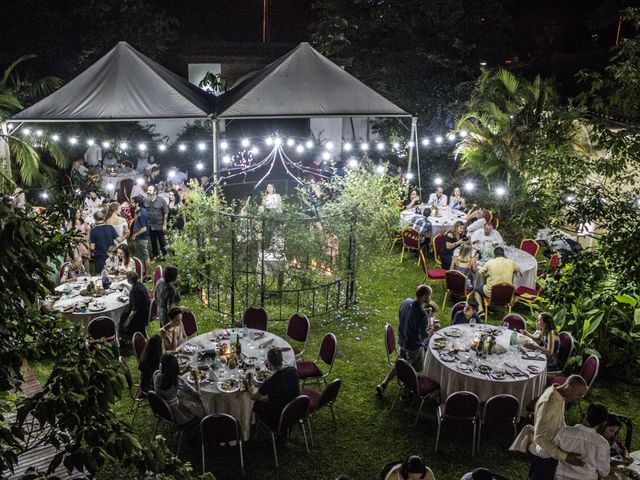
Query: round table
[
  {"x": 518, "y": 380},
  {"x": 114, "y": 179},
  {"x": 446, "y": 218},
  {"x": 115, "y": 302},
  {"x": 238, "y": 404},
  {"x": 528, "y": 264}
]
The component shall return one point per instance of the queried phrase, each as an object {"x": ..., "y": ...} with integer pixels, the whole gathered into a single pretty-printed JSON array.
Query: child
[{"x": 112, "y": 262}]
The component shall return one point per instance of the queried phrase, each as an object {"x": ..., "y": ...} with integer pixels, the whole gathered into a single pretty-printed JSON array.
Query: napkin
[{"x": 267, "y": 342}]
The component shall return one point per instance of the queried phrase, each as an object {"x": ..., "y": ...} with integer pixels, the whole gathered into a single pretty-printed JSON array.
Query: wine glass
[
  {"x": 505, "y": 325},
  {"x": 472, "y": 322}
]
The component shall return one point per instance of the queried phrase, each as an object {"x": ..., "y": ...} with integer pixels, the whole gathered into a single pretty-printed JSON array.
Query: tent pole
[
  {"x": 214, "y": 147},
  {"x": 414, "y": 123},
  {"x": 415, "y": 142}
]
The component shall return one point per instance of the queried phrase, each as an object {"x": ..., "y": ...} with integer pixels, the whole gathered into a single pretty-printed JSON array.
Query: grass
[{"x": 368, "y": 434}]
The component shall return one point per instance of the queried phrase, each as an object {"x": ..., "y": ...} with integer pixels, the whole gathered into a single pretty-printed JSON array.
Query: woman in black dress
[{"x": 452, "y": 240}]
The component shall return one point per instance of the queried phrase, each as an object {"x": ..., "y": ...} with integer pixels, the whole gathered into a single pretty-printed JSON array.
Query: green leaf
[{"x": 628, "y": 299}]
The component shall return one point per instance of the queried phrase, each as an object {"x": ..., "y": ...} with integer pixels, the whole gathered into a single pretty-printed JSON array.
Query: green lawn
[{"x": 368, "y": 434}]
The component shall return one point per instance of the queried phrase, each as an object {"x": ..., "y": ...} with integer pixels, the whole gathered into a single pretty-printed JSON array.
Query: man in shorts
[{"x": 140, "y": 235}]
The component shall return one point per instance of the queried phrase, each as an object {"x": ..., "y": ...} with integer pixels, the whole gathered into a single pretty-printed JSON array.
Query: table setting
[
  {"x": 442, "y": 221},
  {"x": 223, "y": 358},
  {"x": 486, "y": 360}
]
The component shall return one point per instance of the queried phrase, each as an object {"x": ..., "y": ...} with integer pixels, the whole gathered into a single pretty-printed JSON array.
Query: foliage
[{"x": 213, "y": 82}]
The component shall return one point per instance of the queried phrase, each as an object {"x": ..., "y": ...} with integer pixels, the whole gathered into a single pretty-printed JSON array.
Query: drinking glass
[
  {"x": 472, "y": 322},
  {"x": 505, "y": 325}
]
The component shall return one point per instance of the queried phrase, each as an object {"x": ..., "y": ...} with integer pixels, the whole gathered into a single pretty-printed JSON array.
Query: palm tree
[{"x": 15, "y": 91}]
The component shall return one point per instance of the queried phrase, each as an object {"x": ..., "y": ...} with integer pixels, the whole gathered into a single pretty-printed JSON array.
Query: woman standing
[
  {"x": 452, "y": 240},
  {"x": 81, "y": 228},
  {"x": 549, "y": 342},
  {"x": 120, "y": 224},
  {"x": 176, "y": 217},
  {"x": 272, "y": 200}
]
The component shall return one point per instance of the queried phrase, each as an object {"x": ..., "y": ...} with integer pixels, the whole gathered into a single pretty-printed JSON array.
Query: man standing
[
  {"x": 593, "y": 448},
  {"x": 140, "y": 235},
  {"x": 439, "y": 199},
  {"x": 102, "y": 236},
  {"x": 497, "y": 270},
  {"x": 158, "y": 214},
  {"x": 93, "y": 156},
  {"x": 142, "y": 162},
  {"x": 548, "y": 420},
  {"x": 415, "y": 327}
]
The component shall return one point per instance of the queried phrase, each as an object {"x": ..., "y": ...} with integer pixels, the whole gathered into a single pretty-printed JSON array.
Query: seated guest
[
  {"x": 185, "y": 401},
  {"x": 78, "y": 171},
  {"x": 475, "y": 220},
  {"x": 609, "y": 430},
  {"x": 438, "y": 198},
  {"x": 136, "y": 317},
  {"x": 412, "y": 201},
  {"x": 150, "y": 362},
  {"x": 583, "y": 440},
  {"x": 549, "y": 342},
  {"x": 413, "y": 468},
  {"x": 456, "y": 200},
  {"x": 455, "y": 237},
  {"x": 139, "y": 189},
  {"x": 126, "y": 263},
  {"x": 166, "y": 294},
  {"x": 112, "y": 261},
  {"x": 481, "y": 474},
  {"x": 497, "y": 270},
  {"x": 74, "y": 270},
  {"x": 93, "y": 202},
  {"x": 487, "y": 234},
  {"x": 173, "y": 332},
  {"x": 153, "y": 177},
  {"x": 109, "y": 160},
  {"x": 278, "y": 390},
  {"x": 465, "y": 315},
  {"x": 465, "y": 262}
]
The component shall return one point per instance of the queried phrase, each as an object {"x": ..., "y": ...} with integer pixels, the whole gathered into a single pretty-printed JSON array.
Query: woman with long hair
[
  {"x": 81, "y": 228},
  {"x": 126, "y": 263},
  {"x": 455, "y": 237},
  {"x": 465, "y": 262},
  {"x": 150, "y": 362},
  {"x": 548, "y": 341},
  {"x": 176, "y": 217},
  {"x": 115, "y": 219},
  {"x": 184, "y": 400}
]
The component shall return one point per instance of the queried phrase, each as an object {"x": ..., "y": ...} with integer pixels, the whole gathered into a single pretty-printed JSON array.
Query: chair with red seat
[
  {"x": 162, "y": 412},
  {"x": 434, "y": 274},
  {"x": 157, "y": 275},
  {"x": 515, "y": 321},
  {"x": 413, "y": 383},
  {"x": 499, "y": 409},
  {"x": 298, "y": 328},
  {"x": 530, "y": 246},
  {"x": 153, "y": 310},
  {"x": 256, "y": 318},
  {"x": 217, "y": 429},
  {"x": 461, "y": 407},
  {"x": 102, "y": 328},
  {"x": 308, "y": 370},
  {"x": 455, "y": 284},
  {"x": 139, "y": 342},
  {"x": 389, "y": 342},
  {"x": 527, "y": 296},
  {"x": 551, "y": 266},
  {"x": 411, "y": 241},
  {"x": 501, "y": 296},
  {"x": 138, "y": 264},
  {"x": 565, "y": 350},
  {"x": 317, "y": 400},
  {"x": 189, "y": 323},
  {"x": 488, "y": 216},
  {"x": 589, "y": 371},
  {"x": 294, "y": 413},
  {"x": 455, "y": 309}
]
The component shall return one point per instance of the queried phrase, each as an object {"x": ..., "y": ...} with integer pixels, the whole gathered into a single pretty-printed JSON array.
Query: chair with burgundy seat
[
  {"x": 162, "y": 412},
  {"x": 501, "y": 296},
  {"x": 433, "y": 274},
  {"x": 455, "y": 309},
  {"x": 157, "y": 275},
  {"x": 102, "y": 328},
  {"x": 138, "y": 264},
  {"x": 488, "y": 216},
  {"x": 564, "y": 351},
  {"x": 189, "y": 323},
  {"x": 460, "y": 407},
  {"x": 530, "y": 246},
  {"x": 589, "y": 372},
  {"x": 413, "y": 384},
  {"x": 411, "y": 241},
  {"x": 255, "y": 317},
  {"x": 139, "y": 342},
  {"x": 317, "y": 400},
  {"x": 63, "y": 270},
  {"x": 515, "y": 321},
  {"x": 217, "y": 429},
  {"x": 309, "y": 371},
  {"x": 389, "y": 343},
  {"x": 455, "y": 284},
  {"x": 527, "y": 296},
  {"x": 153, "y": 310},
  {"x": 294, "y": 412},
  {"x": 499, "y": 409},
  {"x": 298, "y": 328}
]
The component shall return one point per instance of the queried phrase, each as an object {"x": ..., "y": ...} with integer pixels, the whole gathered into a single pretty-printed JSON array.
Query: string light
[
  {"x": 91, "y": 142},
  {"x": 353, "y": 163},
  {"x": 309, "y": 144},
  {"x": 226, "y": 159},
  {"x": 201, "y": 147},
  {"x": 409, "y": 176},
  {"x": 326, "y": 156},
  {"x": 224, "y": 145},
  {"x": 396, "y": 145},
  {"x": 329, "y": 146},
  {"x": 44, "y": 195},
  {"x": 300, "y": 148},
  {"x": 38, "y": 133},
  {"x": 142, "y": 147},
  {"x": 171, "y": 174},
  {"x": 245, "y": 142},
  {"x": 380, "y": 169},
  {"x": 124, "y": 146},
  {"x": 55, "y": 137},
  {"x": 162, "y": 147},
  {"x": 451, "y": 137},
  {"x": 411, "y": 144},
  {"x": 425, "y": 141},
  {"x": 463, "y": 133},
  {"x": 277, "y": 141},
  {"x": 140, "y": 181},
  {"x": 199, "y": 166},
  {"x": 105, "y": 145},
  {"x": 182, "y": 147},
  {"x": 364, "y": 147},
  {"x": 254, "y": 151},
  {"x": 268, "y": 141},
  {"x": 570, "y": 198},
  {"x": 437, "y": 181},
  {"x": 26, "y": 131},
  {"x": 73, "y": 140},
  {"x": 290, "y": 142},
  {"x": 438, "y": 139},
  {"x": 111, "y": 186},
  {"x": 347, "y": 147},
  {"x": 469, "y": 186},
  {"x": 500, "y": 191},
  {"x": 380, "y": 146},
  {"x": 10, "y": 126}
]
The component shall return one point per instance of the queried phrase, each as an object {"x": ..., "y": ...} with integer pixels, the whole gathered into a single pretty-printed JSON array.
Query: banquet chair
[
  {"x": 628, "y": 425},
  {"x": 564, "y": 352},
  {"x": 394, "y": 235},
  {"x": 317, "y": 400},
  {"x": 413, "y": 383},
  {"x": 435, "y": 274},
  {"x": 411, "y": 241},
  {"x": 139, "y": 344},
  {"x": 189, "y": 323},
  {"x": 162, "y": 412},
  {"x": 298, "y": 327},
  {"x": 127, "y": 163},
  {"x": 294, "y": 412},
  {"x": 126, "y": 185},
  {"x": 217, "y": 429},
  {"x": 499, "y": 409},
  {"x": 527, "y": 296},
  {"x": 461, "y": 407},
  {"x": 308, "y": 370},
  {"x": 589, "y": 371},
  {"x": 455, "y": 309},
  {"x": 389, "y": 342},
  {"x": 455, "y": 284},
  {"x": 103, "y": 328},
  {"x": 157, "y": 275},
  {"x": 515, "y": 321},
  {"x": 501, "y": 296},
  {"x": 551, "y": 266},
  {"x": 488, "y": 216},
  {"x": 255, "y": 317},
  {"x": 530, "y": 246},
  {"x": 387, "y": 468},
  {"x": 63, "y": 270},
  {"x": 437, "y": 243},
  {"x": 138, "y": 263},
  {"x": 153, "y": 310}
]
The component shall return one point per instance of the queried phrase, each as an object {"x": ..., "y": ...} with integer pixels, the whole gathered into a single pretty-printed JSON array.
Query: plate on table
[
  {"x": 465, "y": 367},
  {"x": 447, "y": 357},
  {"x": 439, "y": 344},
  {"x": 260, "y": 377},
  {"x": 97, "y": 306},
  {"x": 534, "y": 369},
  {"x": 496, "y": 375},
  {"x": 229, "y": 385},
  {"x": 453, "y": 332},
  {"x": 189, "y": 348},
  {"x": 250, "y": 361},
  {"x": 123, "y": 298},
  {"x": 484, "y": 369},
  {"x": 198, "y": 373}
]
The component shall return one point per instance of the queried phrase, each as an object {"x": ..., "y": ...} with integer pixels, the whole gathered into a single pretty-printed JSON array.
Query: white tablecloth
[
  {"x": 451, "y": 379},
  {"x": 440, "y": 224},
  {"x": 114, "y": 306},
  {"x": 528, "y": 264},
  {"x": 114, "y": 179},
  {"x": 239, "y": 404}
]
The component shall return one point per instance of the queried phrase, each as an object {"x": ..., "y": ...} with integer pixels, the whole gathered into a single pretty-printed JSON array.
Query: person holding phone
[{"x": 452, "y": 240}]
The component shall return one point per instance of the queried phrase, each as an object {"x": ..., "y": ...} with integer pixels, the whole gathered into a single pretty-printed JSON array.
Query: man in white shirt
[
  {"x": 593, "y": 448},
  {"x": 93, "y": 156},
  {"x": 139, "y": 190},
  {"x": 142, "y": 163},
  {"x": 475, "y": 221},
  {"x": 487, "y": 234},
  {"x": 438, "y": 198}
]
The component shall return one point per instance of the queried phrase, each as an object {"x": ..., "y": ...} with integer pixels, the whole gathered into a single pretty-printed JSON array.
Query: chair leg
[
  {"x": 402, "y": 254},
  {"x": 135, "y": 412},
  {"x": 155, "y": 430},
  {"x": 419, "y": 410},
  {"x": 275, "y": 451},
  {"x": 473, "y": 442},
  {"x": 438, "y": 433},
  {"x": 396, "y": 399},
  {"x": 479, "y": 433},
  {"x": 304, "y": 433},
  {"x": 241, "y": 458},
  {"x": 310, "y": 433},
  {"x": 444, "y": 302},
  {"x": 179, "y": 442},
  {"x": 203, "y": 460},
  {"x": 333, "y": 416}
]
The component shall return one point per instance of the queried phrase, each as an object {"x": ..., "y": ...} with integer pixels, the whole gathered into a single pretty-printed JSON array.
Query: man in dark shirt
[
  {"x": 158, "y": 214},
  {"x": 140, "y": 235},
  {"x": 101, "y": 236},
  {"x": 465, "y": 315},
  {"x": 415, "y": 327},
  {"x": 278, "y": 390},
  {"x": 136, "y": 317}
]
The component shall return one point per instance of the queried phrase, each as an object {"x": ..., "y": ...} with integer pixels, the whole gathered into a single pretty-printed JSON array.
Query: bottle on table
[{"x": 238, "y": 346}]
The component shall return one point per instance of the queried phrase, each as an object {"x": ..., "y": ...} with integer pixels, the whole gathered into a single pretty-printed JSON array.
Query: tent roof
[
  {"x": 122, "y": 85},
  {"x": 303, "y": 83}
]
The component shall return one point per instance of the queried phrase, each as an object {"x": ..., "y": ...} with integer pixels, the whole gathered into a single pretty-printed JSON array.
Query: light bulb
[
  {"x": 268, "y": 141},
  {"x": 38, "y": 133},
  {"x": 380, "y": 146},
  {"x": 300, "y": 148},
  {"x": 142, "y": 147},
  {"x": 226, "y": 159},
  {"x": 224, "y": 145},
  {"x": 171, "y": 174},
  {"x": 201, "y": 146},
  {"x": 140, "y": 181},
  {"x": 463, "y": 133},
  {"x": 182, "y": 147},
  {"x": 309, "y": 144},
  {"x": 353, "y": 163},
  {"x": 162, "y": 147},
  {"x": 438, "y": 139},
  {"x": 73, "y": 140},
  {"x": 111, "y": 186},
  {"x": 364, "y": 147},
  {"x": 500, "y": 191},
  {"x": 199, "y": 166},
  {"x": 245, "y": 142},
  {"x": 44, "y": 195},
  {"x": 451, "y": 137},
  {"x": 290, "y": 142},
  {"x": 396, "y": 145},
  {"x": 380, "y": 169},
  {"x": 425, "y": 141},
  {"x": 55, "y": 137},
  {"x": 123, "y": 146},
  {"x": 329, "y": 146},
  {"x": 411, "y": 144},
  {"x": 277, "y": 141},
  {"x": 437, "y": 181},
  {"x": 26, "y": 131},
  {"x": 254, "y": 151},
  {"x": 347, "y": 147},
  {"x": 106, "y": 145},
  {"x": 326, "y": 156},
  {"x": 409, "y": 176},
  {"x": 469, "y": 186}
]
